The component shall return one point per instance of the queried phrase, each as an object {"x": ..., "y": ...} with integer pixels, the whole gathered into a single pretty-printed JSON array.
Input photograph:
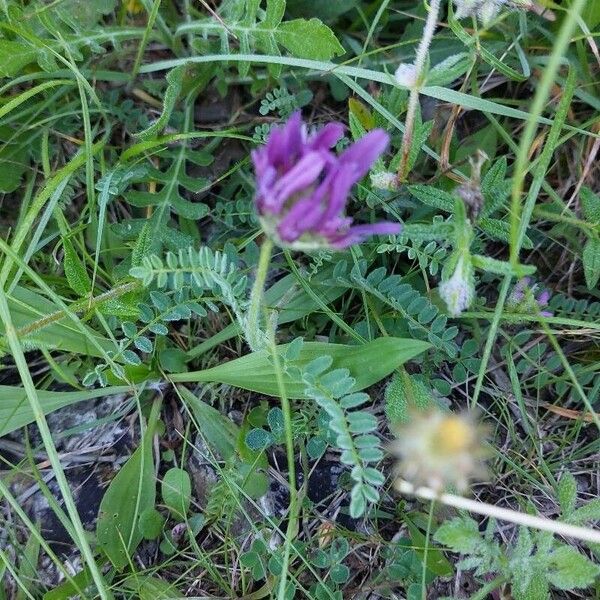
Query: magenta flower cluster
[{"x": 302, "y": 186}]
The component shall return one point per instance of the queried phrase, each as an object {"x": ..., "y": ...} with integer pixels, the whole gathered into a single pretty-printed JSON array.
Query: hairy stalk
[
  {"x": 253, "y": 331},
  {"x": 426, "y": 550},
  {"x": 413, "y": 101},
  {"x": 78, "y": 307},
  {"x": 144, "y": 41},
  {"x": 292, "y": 526},
  {"x": 502, "y": 514}
]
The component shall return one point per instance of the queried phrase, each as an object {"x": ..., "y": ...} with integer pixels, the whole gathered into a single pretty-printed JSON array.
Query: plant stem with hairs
[
  {"x": 583, "y": 534},
  {"x": 252, "y": 329},
  {"x": 413, "y": 100}
]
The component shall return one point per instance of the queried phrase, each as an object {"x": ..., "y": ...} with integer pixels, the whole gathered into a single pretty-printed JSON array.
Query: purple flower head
[
  {"x": 302, "y": 186},
  {"x": 523, "y": 298}
]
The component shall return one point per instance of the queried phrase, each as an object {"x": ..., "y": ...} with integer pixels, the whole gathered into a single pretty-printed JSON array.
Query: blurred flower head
[
  {"x": 441, "y": 450},
  {"x": 384, "y": 180},
  {"x": 302, "y": 186},
  {"x": 458, "y": 292},
  {"x": 527, "y": 298},
  {"x": 487, "y": 10},
  {"x": 484, "y": 10},
  {"x": 406, "y": 75}
]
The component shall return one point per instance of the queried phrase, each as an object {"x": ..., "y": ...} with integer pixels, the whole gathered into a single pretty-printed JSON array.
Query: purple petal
[
  {"x": 304, "y": 174},
  {"x": 363, "y": 153},
  {"x": 285, "y": 143},
  {"x": 326, "y": 137},
  {"x": 340, "y": 184},
  {"x": 264, "y": 186},
  {"x": 302, "y": 217},
  {"x": 543, "y": 298},
  {"x": 546, "y": 313}
]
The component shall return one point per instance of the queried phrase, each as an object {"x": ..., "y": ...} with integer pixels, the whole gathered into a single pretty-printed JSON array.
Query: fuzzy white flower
[
  {"x": 441, "y": 449},
  {"x": 406, "y": 75},
  {"x": 458, "y": 292},
  {"x": 384, "y": 180},
  {"x": 485, "y": 10}
]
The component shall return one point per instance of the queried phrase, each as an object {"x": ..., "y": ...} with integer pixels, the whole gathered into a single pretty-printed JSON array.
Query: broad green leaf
[
  {"x": 16, "y": 412},
  {"x": 449, "y": 69},
  {"x": 75, "y": 271},
  {"x": 219, "y": 431},
  {"x": 13, "y": 159},
  {"x": 590, "y": 205},
  {"x": 436, "y": 561},
  {"x": 258, "y": 439},
  {"x": 433, "y": 197},
  {"x": 151, "y": 523},
  {"x": 308, "y": 39},
  {"x": 83, "y": 15},
  {"x": 130, "y": 494},
  {"x": 176, "y": 491},
  {"x": 404, "y": 394},
  {"x": 146, "y": 587},
  {"x": 320, "y": 9},
  {"x": 591, "y": 262},
  {"x": 591, "y": 14},
  {"x": 567, "y": 569},
  {"x": 28, "y": 567},
  {"x": 14, "y": 56},
  {"x": 368, "y": 364},
  {"x": 70, "y": 589}
]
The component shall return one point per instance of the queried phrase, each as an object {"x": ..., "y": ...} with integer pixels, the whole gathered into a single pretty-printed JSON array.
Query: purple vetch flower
[
  {"x": 302, "y": 187},
  {"x": 524, "y": 298}
]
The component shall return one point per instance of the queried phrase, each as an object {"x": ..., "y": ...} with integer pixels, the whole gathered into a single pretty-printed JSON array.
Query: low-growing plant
[{"x": 299, "y": 299}]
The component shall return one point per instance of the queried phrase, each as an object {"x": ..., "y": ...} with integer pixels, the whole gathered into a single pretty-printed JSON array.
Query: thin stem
[
  {"x": 79, "y": 306},
  {"x": 292, "y": 526},
  {"x": 40, "y": 418},
  {"x": 503, "y": 514},
  {"x": 413, "y": 100},
  {"x": 144, "y": 40},
  {"x": 254, "y": 333},
  {"x": 426, "y": 550}
]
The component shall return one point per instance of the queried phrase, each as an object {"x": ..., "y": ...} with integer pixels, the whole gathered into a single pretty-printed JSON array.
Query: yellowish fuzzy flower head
[
  {"x": 134, "y": 7},
  {"x": 441, "y": 450}
]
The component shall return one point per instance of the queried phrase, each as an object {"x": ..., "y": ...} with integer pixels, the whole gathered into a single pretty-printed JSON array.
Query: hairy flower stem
[
  {"x": 254, "y": 334},
  {"x": 413, "y": 100},
  {"x": 79, "y": 306},
  {"x": 583, "y": 534},
  {"x": 292, "y": 526}
]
